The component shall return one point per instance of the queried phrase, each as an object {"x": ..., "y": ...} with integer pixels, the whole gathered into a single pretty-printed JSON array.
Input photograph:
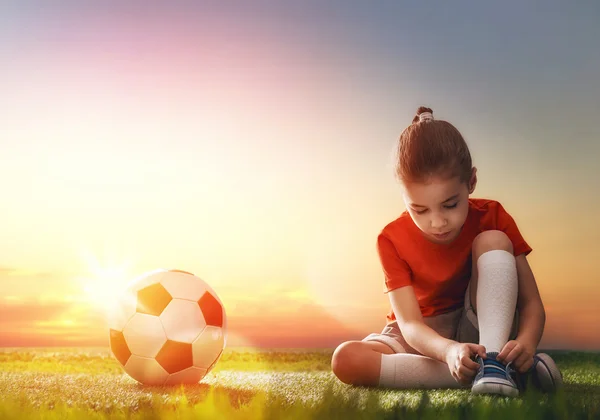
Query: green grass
[{"x": 251, "y": 384}]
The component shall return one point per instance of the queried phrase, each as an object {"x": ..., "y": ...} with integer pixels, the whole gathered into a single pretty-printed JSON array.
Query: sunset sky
[{"x": 251, "y": 145}]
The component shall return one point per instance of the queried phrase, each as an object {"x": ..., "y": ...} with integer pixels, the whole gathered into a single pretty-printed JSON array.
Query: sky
[{"x": 251, "y": 144}]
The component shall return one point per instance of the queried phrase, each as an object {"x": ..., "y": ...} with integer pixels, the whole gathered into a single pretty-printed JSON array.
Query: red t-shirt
[{"x": 440, "y": 273}]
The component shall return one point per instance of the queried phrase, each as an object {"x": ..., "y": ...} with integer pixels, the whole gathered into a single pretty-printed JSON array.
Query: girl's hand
[
  {"x": 459, "y": 358},
  {"x": 519, "y": 353}
]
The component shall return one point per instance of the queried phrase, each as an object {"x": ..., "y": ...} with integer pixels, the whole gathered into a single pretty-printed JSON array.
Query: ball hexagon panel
[
  {"x": 191, "y": 375},
  {"x": 183, "y": 320},
  {"x": 146, "y": 370},
  {"x": 175, "y": 356},
  {"x": 144, "y": 335},
  {"x": 121, "y": 312},
  {"x": 153, "y": 299},
  {"x": 184, "y": 285},
  {"x": 207, "y": 346},
  {"x": 146, "y": 279},
  {"x": 211, "y": 309},
  {"x": 119, "y": 347}
]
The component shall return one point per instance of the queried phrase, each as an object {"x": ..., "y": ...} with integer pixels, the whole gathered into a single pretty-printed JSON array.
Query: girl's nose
[{"x": 438, "y": 222}]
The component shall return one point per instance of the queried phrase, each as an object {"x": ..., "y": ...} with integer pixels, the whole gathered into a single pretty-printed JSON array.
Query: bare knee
[
  {"x": 347, "y": 360},
  {"x": 491, "y": 240}
]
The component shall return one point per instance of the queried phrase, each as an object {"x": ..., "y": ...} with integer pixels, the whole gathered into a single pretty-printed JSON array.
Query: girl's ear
[{"x": 473, "y": 180}]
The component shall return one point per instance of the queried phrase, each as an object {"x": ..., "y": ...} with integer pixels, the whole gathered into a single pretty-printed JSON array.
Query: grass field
[{"x": 251, "y": 384}]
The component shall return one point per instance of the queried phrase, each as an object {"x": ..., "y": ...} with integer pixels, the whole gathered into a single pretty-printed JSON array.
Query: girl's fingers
[
  {"x": 471, "y": 364},
  {"x": 526, "y": 365},
  {"x": 455, "y": 376},
  {"x": 466, "y": 361},
  {"x": 465, "y": 371},
  {"x": 508, "y": 347},
  {"x": 477, "y": 349},
  {"x": 481, "y": 352},
  {"x": 513, "y": 355},
  {"x": 523, "y": 362}
]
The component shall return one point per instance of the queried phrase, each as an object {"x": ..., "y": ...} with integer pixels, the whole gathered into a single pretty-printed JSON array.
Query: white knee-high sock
[
  {"x": 497, "y": 288},
  {"x": 412, "y": 371}
]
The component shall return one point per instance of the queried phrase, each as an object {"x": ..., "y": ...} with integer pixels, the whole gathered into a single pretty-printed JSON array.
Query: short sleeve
[
  {"x": 506, "y": 224},
  {"x": 396, "y": 271}
]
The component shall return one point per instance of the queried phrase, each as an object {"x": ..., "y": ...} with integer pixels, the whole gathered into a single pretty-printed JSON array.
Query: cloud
[
  {"x": 266, "y": 322},
  {"x": 4, "y": 271},
  {"x": 43, "y": 321},
  {"x": 289, "y": 325},
  {"x": 29, "y": 284},
  {"x": 571, "y": 328},
  {"x": 17, "y": 314},
  {"x": 260, "y": 323}
]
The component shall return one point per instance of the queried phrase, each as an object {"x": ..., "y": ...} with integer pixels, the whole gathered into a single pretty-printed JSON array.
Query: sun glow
[{"x": 106, "y": 283}]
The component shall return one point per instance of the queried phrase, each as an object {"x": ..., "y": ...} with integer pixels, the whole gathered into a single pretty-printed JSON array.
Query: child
[{"x": 456, "y": 275}]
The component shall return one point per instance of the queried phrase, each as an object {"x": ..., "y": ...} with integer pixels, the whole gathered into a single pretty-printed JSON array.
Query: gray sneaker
[
  {"x": 543, "y": 376},
  {"x": 494, "y": 377}
]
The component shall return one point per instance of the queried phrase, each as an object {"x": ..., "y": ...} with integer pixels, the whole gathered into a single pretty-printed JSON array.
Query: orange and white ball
[{"x": 169, "y": 327}]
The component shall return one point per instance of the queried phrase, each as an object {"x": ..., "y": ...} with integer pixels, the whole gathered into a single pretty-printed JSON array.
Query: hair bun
[{"x": 420, "y": 111}]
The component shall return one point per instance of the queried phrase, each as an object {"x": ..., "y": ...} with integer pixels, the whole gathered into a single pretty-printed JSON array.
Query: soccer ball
[{"x": 168, "y": 327}]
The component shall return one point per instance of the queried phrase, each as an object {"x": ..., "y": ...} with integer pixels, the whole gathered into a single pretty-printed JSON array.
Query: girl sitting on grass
[{"x": 465, "y": 307}]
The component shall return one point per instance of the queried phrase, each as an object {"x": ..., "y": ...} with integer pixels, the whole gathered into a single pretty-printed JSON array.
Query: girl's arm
[
  {"x": 532, "y": 316},
  {"x": 417, "y": 334}
]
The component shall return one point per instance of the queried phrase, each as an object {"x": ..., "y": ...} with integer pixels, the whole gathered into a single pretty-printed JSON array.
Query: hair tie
[{"x": 425, "y": 116}]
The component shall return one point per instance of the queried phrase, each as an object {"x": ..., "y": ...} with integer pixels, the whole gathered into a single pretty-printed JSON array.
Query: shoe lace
[
  {"x": 481, "y": 362},
  {"x": 519, "y": 380},
  {"x": 510, "y": 371}
]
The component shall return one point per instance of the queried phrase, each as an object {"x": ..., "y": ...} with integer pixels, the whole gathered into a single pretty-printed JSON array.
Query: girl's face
[{"x": 439, "y": 207}]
